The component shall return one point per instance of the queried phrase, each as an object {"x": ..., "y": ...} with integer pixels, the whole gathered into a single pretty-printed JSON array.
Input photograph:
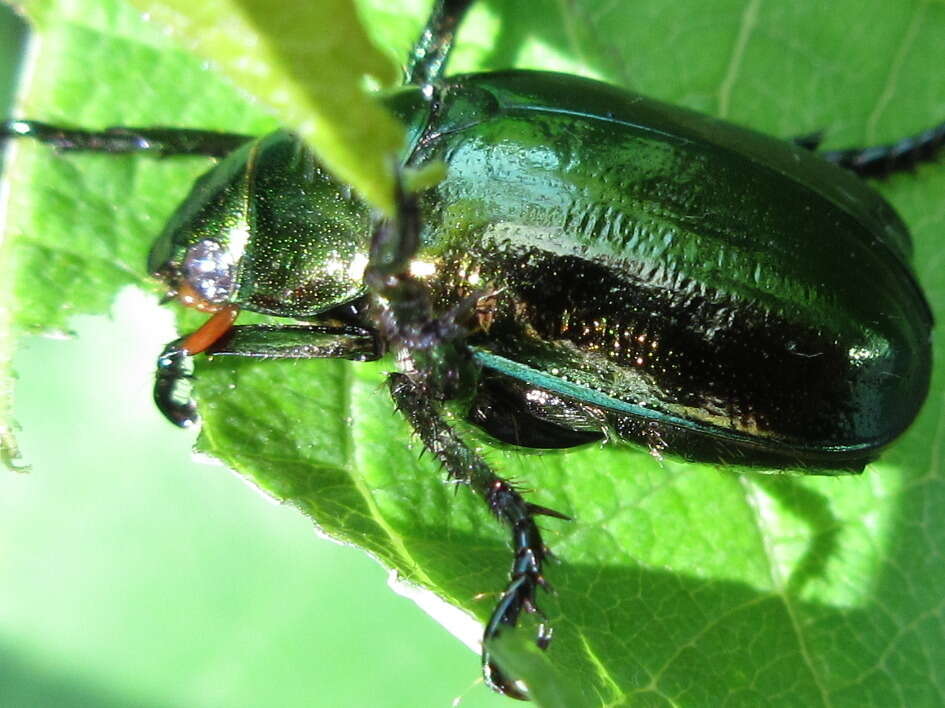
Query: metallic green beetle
[
  {"x": 594, "y": 264},
  {"x": 653, "y": 267}
]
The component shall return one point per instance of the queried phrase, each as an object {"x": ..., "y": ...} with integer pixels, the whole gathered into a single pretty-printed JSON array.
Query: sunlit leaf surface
[{"x": 678, "y": 584}]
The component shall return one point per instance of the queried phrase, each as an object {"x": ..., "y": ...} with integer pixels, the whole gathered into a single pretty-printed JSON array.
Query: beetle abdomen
[{"x": 708, "y": 276}]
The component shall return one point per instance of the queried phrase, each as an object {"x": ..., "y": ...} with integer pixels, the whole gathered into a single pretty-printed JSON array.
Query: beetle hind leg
[
  {"x": 883, "y": 160},
  {"x": 463, "y": 465}
]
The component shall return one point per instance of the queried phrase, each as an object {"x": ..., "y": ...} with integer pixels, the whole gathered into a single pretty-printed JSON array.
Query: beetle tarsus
[
  {"x": 881, "y": 161},
  {"x": 172, "y": 385}
]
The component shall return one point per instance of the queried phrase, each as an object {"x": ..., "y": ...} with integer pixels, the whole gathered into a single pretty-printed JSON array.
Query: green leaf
[
  {"x": 520, "y": 657},
  {"x": 307, "y": 61},
  {"x": 677, "y": 584}
]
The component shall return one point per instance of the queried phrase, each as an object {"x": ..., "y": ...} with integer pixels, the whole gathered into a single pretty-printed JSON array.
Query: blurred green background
[{"x": 256, "y": 611}]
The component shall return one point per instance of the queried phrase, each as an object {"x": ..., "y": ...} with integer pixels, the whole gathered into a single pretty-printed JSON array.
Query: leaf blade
[{"x": 311, "y": 78}]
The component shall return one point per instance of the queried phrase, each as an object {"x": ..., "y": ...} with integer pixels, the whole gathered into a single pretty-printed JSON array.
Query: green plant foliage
[
  {"x": 313, "y": 78},
  {"x": 678, "y": 584}
]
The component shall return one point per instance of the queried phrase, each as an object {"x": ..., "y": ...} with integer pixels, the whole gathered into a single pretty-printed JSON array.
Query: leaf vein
[
  {"x": 746, "y": 28},
  {"x": 908, "y": 39},
  {"x": 781, "y": 588},
  {"x": 350, "y": 450},
  {"x": 600, "y": 666}
]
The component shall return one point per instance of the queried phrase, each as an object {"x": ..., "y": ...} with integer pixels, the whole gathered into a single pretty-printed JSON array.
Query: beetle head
[{"x": 268, "y": 230}]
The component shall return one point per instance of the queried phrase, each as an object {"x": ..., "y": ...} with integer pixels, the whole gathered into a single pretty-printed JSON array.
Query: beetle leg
[
  {"x": 173, "y": 381},
  {"x": 298, "y": 342},
  {"x": 465, "y": 466},
  {"x": 437, "y": 367},
  {"x": 211, "y": 331},
  {"x": 175, "y": 368},
  {"x": 882, "y": 160},
  {"x": 172, "y": 385},
  {"x": 161, "y": 142},
  {"x": 427, "y": 59},
  {"x": 518, "y": 414},
  {"x": 810, "y": 141}
]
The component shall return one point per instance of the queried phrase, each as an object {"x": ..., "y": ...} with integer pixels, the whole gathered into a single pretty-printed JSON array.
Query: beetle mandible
[{"x": 689, "y": 294}]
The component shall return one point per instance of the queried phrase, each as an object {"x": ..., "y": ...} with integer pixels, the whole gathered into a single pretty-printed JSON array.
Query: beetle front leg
[
  {"x": 175, "y": 368},
  {"x": 427, "y": 59},
  {"x": 119, "y": 140},
  {"x": 173, "y": 379},
  {"x": 465, "y": 466}
]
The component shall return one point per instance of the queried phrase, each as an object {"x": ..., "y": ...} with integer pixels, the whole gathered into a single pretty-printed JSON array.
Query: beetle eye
[{"x": 209, "y": 269}]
